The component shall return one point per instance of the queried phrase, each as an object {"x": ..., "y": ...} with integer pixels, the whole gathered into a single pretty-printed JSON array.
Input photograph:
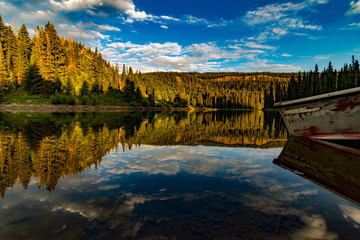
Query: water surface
[{"x": 165, "y": 176}]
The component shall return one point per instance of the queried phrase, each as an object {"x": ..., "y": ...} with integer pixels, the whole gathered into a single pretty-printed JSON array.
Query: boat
[
  {"x": 334, "y": 115},
  {"x": 333, "y": 165}
]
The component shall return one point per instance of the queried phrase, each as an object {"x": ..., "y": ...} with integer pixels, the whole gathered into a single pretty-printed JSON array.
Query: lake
[{"x": 172, "y": 175}]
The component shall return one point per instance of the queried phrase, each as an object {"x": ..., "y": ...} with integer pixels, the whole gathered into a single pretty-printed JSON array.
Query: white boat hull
[{"x": 329, "y": 117}]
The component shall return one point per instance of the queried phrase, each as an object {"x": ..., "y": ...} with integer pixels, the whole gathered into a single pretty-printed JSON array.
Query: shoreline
[{"x": 63, "y": 108}]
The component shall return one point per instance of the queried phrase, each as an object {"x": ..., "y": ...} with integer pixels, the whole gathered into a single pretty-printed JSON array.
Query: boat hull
[
  {"x": 333, "y": 166},
  {"x": 328, "y": 118}
]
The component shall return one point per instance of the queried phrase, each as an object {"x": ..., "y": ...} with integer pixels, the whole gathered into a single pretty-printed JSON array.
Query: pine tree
[
  {"x": 23, "y": 54},
  {"x": 55, "y": 52},
  {"x": 38, "y": 55},
  {"x": 2, "y": 27},
  {"x": 9, "y": 48},
  {"x": 49, "y": 64},
  {"x": 1, "y": 94},
  {"x": 356, "y": 74},
  {"x": 3, "y": 72},
  {"x": 123, "y": 77}
]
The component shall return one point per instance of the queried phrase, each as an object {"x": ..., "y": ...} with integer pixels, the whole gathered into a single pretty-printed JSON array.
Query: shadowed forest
[
  {"x": 48, "y": 68},
  {"x": 50, "y": 147}
]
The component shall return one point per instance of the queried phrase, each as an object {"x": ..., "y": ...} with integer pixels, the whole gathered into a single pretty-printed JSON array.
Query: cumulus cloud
[
  {"x": 76, "y": 5},
  {"x": 8, "y": 8},
  {"x": 78, "y": 32},
  {"x": 354, "y": 8},
  {"x": 208, "y": 56},
  {"x": 122, "y": 6},
  {"x": 38, "y": 15}
]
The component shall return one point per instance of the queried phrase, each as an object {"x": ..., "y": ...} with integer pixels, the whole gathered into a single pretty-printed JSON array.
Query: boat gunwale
[{"x": 349, "y": 92}]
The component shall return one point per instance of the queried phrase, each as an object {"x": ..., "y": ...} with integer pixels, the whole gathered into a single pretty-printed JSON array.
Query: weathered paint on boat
[
  {"x": 328, "y": 116},
  {"x": 333, "y": 166}
]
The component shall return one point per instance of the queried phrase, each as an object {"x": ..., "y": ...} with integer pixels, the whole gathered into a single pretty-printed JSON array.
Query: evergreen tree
[
  {"x": 56, "y": 59},
  {"x": 2, "y": 93},
  {"x": 23, "y": 54},
  {"x": 9, "y": 47},
  {"x": 2, "y": 27},
  {"x": 3, "y": 72},
  {"x": 356, "y": 74}
]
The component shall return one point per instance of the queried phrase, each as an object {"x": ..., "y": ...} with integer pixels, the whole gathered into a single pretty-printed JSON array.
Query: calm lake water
[{"x": 159, "y": 175}]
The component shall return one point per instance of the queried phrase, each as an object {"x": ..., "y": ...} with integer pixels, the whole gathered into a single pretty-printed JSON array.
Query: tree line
[
  {"x": 312, "y": 83},
  {"x": 66, "y": 71}
]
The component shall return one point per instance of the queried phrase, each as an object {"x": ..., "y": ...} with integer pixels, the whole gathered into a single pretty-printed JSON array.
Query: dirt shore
[{"x": 49, "y": 108}]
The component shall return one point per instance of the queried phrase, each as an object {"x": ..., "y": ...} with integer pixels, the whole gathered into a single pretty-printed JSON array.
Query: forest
[{"x": 51, "y": 69}]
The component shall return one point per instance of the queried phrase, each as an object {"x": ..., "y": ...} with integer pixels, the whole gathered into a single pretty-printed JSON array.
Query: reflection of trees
[
  {"x": 242, "y": 129},
  {"x": 74, "y": 143},
  {"x": 54, "y": 158}
]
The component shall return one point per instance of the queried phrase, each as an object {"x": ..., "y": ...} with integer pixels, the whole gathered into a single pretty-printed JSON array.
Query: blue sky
[{"x": 203, "y": 35}]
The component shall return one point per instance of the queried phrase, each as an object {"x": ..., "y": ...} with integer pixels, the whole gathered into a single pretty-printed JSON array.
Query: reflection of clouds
[
  {"x": 206, "y": 161},
  {"x": 76, "y": 208},
  {"x": 108, "y": 187},
  {"x": 351, "y": 213},
  {"x": 114, "y": 199},
  {"x": 315, "y": 229}
]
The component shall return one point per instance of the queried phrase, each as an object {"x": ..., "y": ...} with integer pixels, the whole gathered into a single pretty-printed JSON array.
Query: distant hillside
[{"x": 214, "y": 90}]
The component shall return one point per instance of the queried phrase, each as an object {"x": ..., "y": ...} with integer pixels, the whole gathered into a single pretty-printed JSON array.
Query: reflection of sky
[{"x": 179, "y": 191}]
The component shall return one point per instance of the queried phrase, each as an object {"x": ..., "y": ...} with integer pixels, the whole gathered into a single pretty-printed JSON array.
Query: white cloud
[
  {"x": 192, "y": 20},
  {"x": 286, "y": 55},
  {"x": 139, "y": 15},
  {"x": 38, "y": 15},
  {"x": 355, "y": 25},
  {"x": 270, "y": 13},
  {"x": 277, "y": 20},
  {"x": 123, "y": 6},
  {"x": 298, "y": 23},
  {"x": 163, "y": 26},
  {"x": 256, "y": 45},
  {"x": 354, "y": 8},
  {"x": 117, "y": 45},
  {"x": 180, "y": 63},
  {"x": 77, "y": 32},
  {"x": 351, "y": 213},
  {"x": 195, "y": 57},
  {"x": 322, "y": 57},
  {"x": 153, "y": 49},
  {"x": 76, "y": 5},
  {"x": 318, "y": 1},
  {"x": 266, "y": 66},
  {"x": 8, "y": 8},
  {"x": 109, "y": 28},
  {"x": 195, "y": 20},
  {"x": 169, "y": 18},
  {"x": 315, "y": 228}
]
